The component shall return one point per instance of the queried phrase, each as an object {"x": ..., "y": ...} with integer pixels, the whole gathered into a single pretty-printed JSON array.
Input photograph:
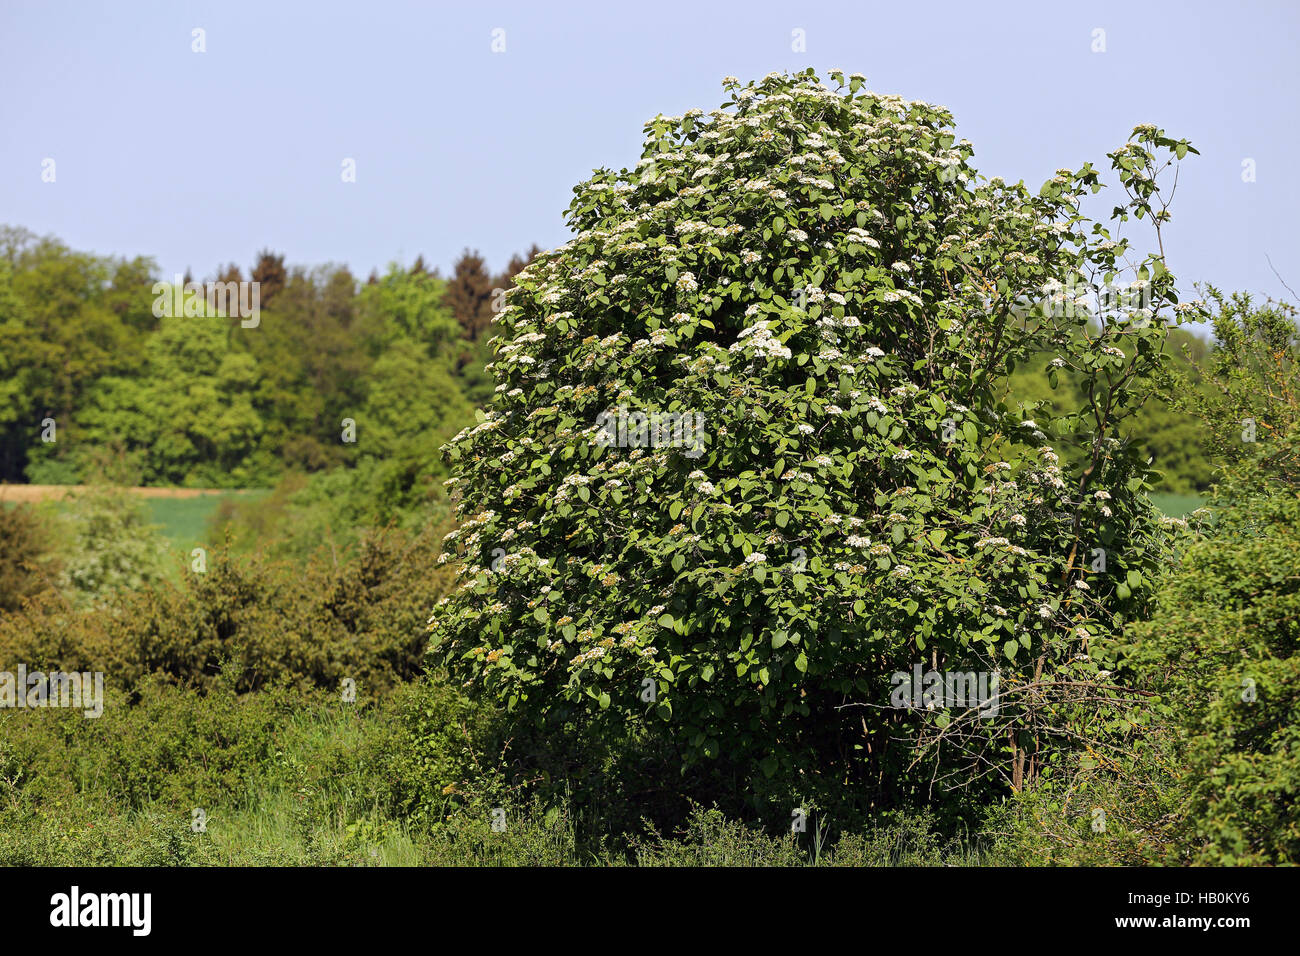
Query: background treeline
[{"x": 202, "y": 402}]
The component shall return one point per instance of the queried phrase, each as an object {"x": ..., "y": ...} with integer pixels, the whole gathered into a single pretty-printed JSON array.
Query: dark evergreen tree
[
  {"x": 270, "y": 274},
  {"x": 469, "y": 294}
]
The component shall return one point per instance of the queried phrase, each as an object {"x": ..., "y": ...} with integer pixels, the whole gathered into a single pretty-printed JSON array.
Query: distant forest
[{"x": 204, "y": 402}]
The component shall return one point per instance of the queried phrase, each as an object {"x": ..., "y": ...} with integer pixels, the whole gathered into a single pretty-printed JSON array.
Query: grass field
[
  {"x": 182, "y": 513},
  {"x": 184, "y": 521}
]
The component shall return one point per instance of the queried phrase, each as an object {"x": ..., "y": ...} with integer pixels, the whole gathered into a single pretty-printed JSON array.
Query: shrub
[
  {"x": 313, "y": 626},
  {"x": 438, "y": 755},
  {"x": 1206, "y": 771},
  {"x": 1224, "y": 653},
  {"x": 109, "y": 546},
  {"x": 823, "y": 278},
  {"x": 26, "y": 564}
]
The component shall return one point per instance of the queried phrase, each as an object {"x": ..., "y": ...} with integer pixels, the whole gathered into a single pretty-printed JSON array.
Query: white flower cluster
[{"x": 759, "y": 337}]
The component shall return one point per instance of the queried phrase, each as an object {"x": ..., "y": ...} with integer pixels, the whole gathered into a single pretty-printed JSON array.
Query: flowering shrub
[{"x": 821, "y": 275}]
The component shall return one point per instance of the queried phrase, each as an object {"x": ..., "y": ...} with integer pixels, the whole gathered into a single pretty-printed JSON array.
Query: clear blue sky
[{"x": 201, "y": 159}]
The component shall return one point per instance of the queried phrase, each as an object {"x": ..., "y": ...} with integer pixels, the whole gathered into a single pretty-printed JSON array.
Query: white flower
[{"x": 755, "y": 557}]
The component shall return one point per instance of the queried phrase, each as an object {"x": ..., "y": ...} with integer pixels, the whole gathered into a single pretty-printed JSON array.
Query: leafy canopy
[{"x": 824, "y": 278}]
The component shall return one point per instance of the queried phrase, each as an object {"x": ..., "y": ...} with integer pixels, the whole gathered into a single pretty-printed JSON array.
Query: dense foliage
[
  {"x": 311, "y": 625},
  {"x": 1224, "y": 654},
  {"x": 25, "y": 556},
  {"x": 826, "y": 281},
  {"x": 204, "y": 401}
]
